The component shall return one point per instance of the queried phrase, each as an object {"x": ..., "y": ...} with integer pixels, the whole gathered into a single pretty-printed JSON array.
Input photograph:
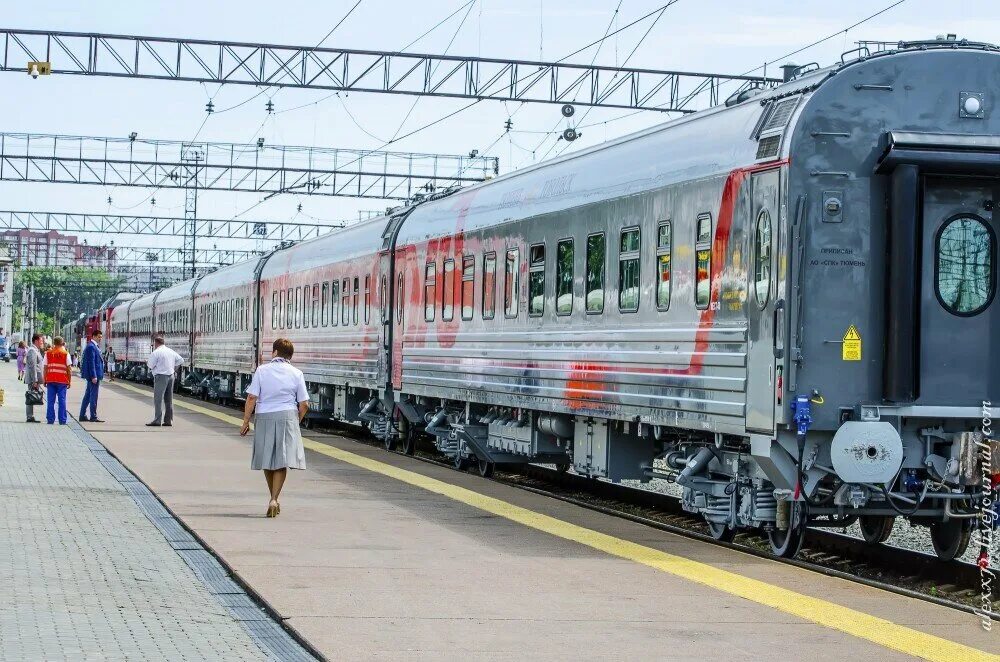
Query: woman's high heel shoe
[
  {"x": 272, "y": 510},
  {"x": 278, "y": 511}
]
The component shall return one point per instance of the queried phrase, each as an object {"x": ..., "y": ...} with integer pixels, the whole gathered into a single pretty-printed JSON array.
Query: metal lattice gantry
[
  {"x": 268, "y": 65},
  {"x": 267, "y": 169},
  {"x": 205, "y": 228},
  {"x": 159, "y": 255}
]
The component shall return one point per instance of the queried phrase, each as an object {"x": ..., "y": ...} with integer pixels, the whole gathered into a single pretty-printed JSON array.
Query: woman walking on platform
[
  {"x": 22, "y": 351},
  {"x": 278, "y": 393}
]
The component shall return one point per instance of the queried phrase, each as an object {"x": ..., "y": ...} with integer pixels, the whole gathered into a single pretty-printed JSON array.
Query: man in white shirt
[{"x": 163, "y": 363}]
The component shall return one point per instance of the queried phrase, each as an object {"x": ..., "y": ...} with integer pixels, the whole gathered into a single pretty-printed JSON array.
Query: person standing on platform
[
  {"x": 112, "y": 362},
  {"x": 278, "y": 393},
  {"x": 92, "y": 369},
  {"x": 22, "y": 351},
  {"x": 163, "y": 363},
  {"x": 56, "y": 368},
  {"x": 33, "y": 372}
]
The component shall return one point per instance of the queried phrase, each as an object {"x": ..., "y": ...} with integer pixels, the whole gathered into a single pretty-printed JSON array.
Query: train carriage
[
  {"x": 173, "y": 320},
  {"x": 140, "y": 336},
  {"x": 759, "y": 302}
]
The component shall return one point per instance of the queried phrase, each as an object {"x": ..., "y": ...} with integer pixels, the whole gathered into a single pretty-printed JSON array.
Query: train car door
[
  {"x": 385, "y": 305},
  {"x": 762, "y": 228},
  {"x": 958, "y": 365}
]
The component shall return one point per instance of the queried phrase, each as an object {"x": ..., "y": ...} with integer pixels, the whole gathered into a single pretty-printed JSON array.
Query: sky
[{"x": 722, "y": 36}]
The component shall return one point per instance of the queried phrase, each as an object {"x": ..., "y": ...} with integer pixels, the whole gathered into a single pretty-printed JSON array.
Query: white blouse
[{"x": 278, "y": 386}]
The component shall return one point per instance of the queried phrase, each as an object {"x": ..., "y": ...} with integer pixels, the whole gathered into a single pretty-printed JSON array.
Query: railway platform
[{"x": 381, "y": 556}]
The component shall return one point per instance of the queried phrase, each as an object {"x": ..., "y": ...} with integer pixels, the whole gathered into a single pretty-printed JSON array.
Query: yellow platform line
[{"x": 816, "y": 610}]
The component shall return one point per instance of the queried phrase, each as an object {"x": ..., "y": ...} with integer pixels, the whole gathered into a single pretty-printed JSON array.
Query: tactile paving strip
[{"x": 265, "y": 631}]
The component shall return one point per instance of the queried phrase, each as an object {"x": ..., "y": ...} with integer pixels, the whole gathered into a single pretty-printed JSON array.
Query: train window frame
[
  {"x": 561, "y": 279},
  {"x": 511, "y": 282},
  {"x": 400, "y": 281},
  {"x": 335, "y": 302},
  {"x": 345, "y": 301},
  {"x": 368, "y": 298},
  {"x": 762, "y": 262},
  {"x": 536, "y": 279},
  {"x": 297, "y": 316},
  {"x": 315, "y": 305},
  {"x": 703, "y": 245},
  {"x": 430, "y": 290},
  {"x": 489, "y": 285},
  {"x": 357, "y": 293},
  {"x": 290, "y": 308},
  {"x": 448, "y": 290},
  {"x": 633, "y": 257},
  {"x": 324, "y": 305},
  {"x": 468, "y": 299},
  {"x": 383, "y": 300},
  {"x": 991, "y": 268},
  {"x": 602, "y": 287},
  {"x": 664, "y": 250}
]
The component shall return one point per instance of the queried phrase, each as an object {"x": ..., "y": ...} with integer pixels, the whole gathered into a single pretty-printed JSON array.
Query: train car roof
[
  {"x": 176, "y": 291},
  {"x": 364, "y": 238},
  {"x": 233, "y": 275}
]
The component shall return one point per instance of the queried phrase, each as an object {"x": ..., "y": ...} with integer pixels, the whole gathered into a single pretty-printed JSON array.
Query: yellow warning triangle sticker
[{"x": 852, "y": 333}]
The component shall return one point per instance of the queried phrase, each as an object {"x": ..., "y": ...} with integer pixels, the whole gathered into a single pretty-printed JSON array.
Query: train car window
[
  {"x": 246, "y": 313},
  {"x": 564, "y": 277},
  {"x": 448, "y": 291},
  {"x": 489, "y": 286},
  {"x": 964, "y": 265},
  {"x": 595, "y": 273},
  {"x": 281, "y": 309},
  {"x": 368, "y": 298},
  {"x": 762, "y": 259},
  {"x": 399, "y": 299},
  {"x": 325, "y": 305},
  {"x": 536, "y": 280},
  {"x": 628, "y": 270},
  {"x": 357, "y": 292},
  {"x": 468, "y": 286},
  {"x": 315, "y": 305},
  {"x": 663, "y": 249},
  {"x": 289, "y": 307},
  {"x": 334, "y": 302},
  {"x": 703, "y": 262},
  {"x": 512, "y": 270},
  {"x": 345, "y": 301},
  {"x": 298, "y": 307},
  {"x": 383, "y": 300},
  {"x": 430, "y": 270},
  {"x": 306, "y": 306}
]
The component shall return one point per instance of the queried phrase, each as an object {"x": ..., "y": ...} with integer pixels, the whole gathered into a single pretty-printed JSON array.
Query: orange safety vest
[{"x": 56, "y": 370}]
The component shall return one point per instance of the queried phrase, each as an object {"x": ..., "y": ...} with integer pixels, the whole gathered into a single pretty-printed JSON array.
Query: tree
[{"x": 62, "y": 293}]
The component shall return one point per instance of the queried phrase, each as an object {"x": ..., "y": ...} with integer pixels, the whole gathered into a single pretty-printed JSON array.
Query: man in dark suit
[{"x": 92, "y": 370}]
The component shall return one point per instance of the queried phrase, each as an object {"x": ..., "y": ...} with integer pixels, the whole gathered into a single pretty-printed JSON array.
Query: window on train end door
[
  {"x": 368, "y": 298},
  {"x": 430, "y": 282},
  {"x": 964, "y": 265},
  {"x": 762, "y": 259},
  {"x": 595, "y": 273},
  {"x": 383, "y": 300},
  {"x": 536, "y": 280},
  {"x": 399, "y": 299},
  {"x": 512, "y": 270},
  {"x": 489, "y": 286},
  {"x": 663, "y": 249},
  {"x": 448, "y": 291},
  {"x": 703, "y": 262},
  {"x": 564, "y": 277},
  {"x": 468, "y": 286},
  {"x": 628, "y": 270}
]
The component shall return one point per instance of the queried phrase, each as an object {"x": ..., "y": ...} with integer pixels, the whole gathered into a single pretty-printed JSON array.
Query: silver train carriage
[{"x": 758, "y": 302}]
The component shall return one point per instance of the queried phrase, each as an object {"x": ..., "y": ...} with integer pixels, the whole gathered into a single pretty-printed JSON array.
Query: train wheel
[
  {"x": 951, "y": 538},
  {"x": 787, "y": 543},
  {"x": 721, "y": 532},
  {"x": 486, "y": 468},
  {"x": 562, "y": 467},
  {"x": 460, "y": 462},
  {"x": 410, "y": 442},
  {"x": 875, "y": 529}
]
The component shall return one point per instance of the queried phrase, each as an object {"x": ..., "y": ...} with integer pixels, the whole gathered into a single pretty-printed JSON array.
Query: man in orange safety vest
[{"x": 56, "y": 372}]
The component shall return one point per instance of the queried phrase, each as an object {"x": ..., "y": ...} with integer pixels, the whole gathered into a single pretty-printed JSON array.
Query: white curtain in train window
[{"x": 965, "y": 263}]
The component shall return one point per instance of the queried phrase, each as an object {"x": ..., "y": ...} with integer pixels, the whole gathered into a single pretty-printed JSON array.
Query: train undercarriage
[{"x": 867, "y": 473}]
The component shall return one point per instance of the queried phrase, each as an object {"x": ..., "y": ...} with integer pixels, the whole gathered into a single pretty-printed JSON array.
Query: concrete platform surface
[{"x": 379, "y": 556}]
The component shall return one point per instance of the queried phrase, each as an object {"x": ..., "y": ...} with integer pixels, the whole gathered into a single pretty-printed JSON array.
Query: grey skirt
[{"x": 277, "y": 442}]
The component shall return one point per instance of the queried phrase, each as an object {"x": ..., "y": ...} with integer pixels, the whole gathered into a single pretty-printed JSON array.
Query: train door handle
[{"x": 779, "y": 329}]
